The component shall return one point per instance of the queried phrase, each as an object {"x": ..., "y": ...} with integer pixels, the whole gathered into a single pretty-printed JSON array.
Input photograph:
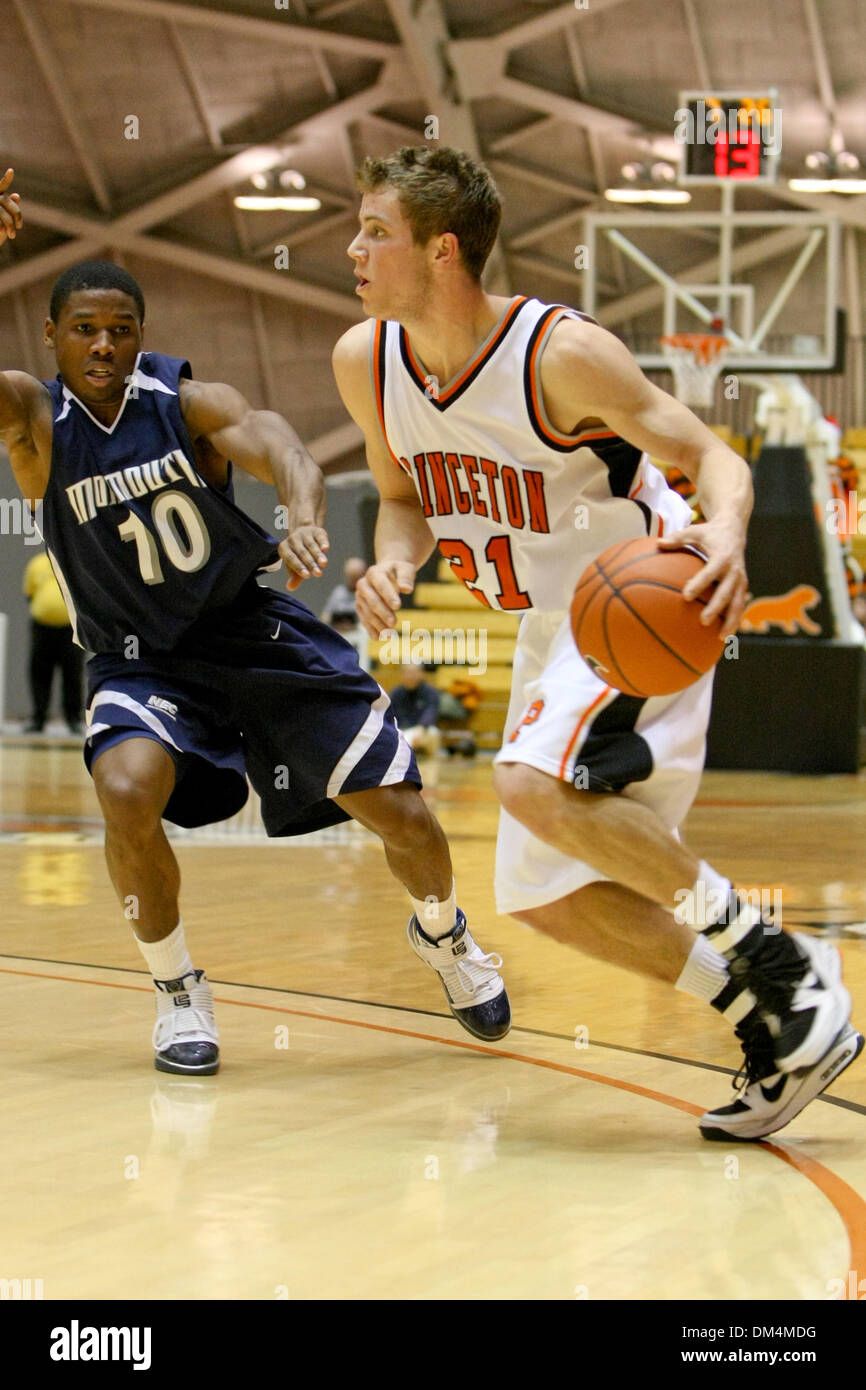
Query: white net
[{"x": 696, "y": 360}]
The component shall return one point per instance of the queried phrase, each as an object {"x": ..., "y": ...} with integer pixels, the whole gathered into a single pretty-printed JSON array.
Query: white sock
[
  {"x": 706, "y": 900},
  {"x": 169, "y": 958},
  {"x": 705, "y": 973},
  {"x": 436, "y": 919}
]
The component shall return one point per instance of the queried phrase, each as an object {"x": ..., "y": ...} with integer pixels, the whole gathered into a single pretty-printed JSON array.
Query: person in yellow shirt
[{"x": 51, "y": 645}]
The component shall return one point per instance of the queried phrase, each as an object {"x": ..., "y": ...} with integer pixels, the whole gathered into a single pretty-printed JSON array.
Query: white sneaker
[
  {"x": 767, "y": 1099},
  {"x": 185, "y": 1036},
  {"x": 473, "y": 986}
]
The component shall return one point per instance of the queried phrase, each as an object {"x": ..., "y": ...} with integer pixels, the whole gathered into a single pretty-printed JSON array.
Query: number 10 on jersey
[{"x": 181, "y": 528}]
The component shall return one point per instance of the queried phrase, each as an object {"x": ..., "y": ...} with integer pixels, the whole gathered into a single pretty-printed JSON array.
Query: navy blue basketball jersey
[{"x": 141, "y": 544}]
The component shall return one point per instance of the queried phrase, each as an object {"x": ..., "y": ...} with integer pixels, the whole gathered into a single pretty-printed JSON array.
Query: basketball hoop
[{"x": 696, "y": 360}]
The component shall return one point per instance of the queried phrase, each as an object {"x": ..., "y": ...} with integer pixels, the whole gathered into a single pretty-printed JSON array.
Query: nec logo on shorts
[{"x": 164, "y": 706}]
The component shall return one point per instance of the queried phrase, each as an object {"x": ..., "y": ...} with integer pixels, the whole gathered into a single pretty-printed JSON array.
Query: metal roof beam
[
  {"x": 428, "y": 44},
  {"x": 275, "y": 29},
  {"x": 697, "y": 42},
  {"x": 542, "y": 178},
  {"x": 95, "y": 235},
  {"x": 224, "y": 175},
  {"x": 58, "y": 89},
  {"x": 530, "y": 30},
  {"x": 819, "y": 57}
]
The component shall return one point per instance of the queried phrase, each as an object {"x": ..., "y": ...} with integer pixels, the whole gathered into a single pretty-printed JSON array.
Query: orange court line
[{"x": 849, "y": 1205}]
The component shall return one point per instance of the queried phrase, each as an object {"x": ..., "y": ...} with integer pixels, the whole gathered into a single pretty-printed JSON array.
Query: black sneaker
[
  {"x": 804, "y": 1004},
  {"x": 795, "y": 980},
  {"x": 767, "y": 1099}
]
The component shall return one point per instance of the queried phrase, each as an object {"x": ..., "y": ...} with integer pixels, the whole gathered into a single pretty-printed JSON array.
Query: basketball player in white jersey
[{"x": 515, "y": 435}]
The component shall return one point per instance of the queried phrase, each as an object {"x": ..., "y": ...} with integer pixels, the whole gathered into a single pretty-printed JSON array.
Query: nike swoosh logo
[
  {"x": 772, "y": 1093},
  {"x": 275, "y": 635}
]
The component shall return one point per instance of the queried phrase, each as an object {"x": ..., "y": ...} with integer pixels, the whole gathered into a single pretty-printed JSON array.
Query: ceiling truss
[{"x": 419, "y": 62}]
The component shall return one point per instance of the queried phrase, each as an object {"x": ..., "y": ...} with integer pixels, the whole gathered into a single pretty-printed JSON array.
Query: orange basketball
[{"x": 632, "y": 624}]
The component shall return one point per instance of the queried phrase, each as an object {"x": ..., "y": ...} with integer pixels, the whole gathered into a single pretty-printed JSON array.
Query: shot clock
[{"x": 728, "y": 136}]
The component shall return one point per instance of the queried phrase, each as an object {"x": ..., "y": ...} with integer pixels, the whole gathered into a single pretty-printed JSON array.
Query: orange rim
[{"x": 704, "y": 347}]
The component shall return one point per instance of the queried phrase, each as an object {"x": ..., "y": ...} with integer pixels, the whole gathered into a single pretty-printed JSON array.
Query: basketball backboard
[{"x": 770, "y": 277}]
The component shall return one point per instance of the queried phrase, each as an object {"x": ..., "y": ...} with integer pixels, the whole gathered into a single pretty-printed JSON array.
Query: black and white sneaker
[
  {"x": 768, "y": 1099},
  {"x": 473, "y": 986},
  {"x": 803, "y": 1003},
  {"x": 185, "y": 1037},
  {"x": 795, "y": 981}
]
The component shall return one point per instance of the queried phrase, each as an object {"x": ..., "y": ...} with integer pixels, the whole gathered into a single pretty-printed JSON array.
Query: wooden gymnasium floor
[{"x": 359, "y": 1144}]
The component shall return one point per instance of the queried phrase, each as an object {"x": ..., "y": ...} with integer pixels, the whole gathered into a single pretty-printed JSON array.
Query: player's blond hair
[{"x": 441, "y": 190}]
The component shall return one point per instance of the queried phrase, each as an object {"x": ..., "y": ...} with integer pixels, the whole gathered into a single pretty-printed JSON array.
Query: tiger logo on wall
[{"x": 787, "y": 611}]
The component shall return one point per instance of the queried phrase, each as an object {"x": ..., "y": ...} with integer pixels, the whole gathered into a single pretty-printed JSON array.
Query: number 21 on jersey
[{"x": 497, "y": 552}]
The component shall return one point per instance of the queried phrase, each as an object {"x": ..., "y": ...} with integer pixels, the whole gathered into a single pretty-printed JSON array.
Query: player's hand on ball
[
  {"x": 723, "y": 541},
  {"x": 11, "y": 217},
  {"x": 303, "y": 553},
  {"x": 377, "y": 595}
]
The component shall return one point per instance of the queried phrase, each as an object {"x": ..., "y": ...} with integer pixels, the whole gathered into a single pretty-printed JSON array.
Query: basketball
[{"x": 632, "y": 624}]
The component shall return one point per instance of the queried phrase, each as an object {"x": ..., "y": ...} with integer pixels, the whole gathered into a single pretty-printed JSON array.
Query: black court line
[{"x": 432, "y": 1013}]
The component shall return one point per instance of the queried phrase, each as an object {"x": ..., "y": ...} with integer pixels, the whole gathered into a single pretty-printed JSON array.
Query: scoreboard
[{"x": 728, "y": 136}]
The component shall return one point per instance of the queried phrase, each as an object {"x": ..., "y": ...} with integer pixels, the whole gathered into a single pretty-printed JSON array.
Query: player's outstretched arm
[
  {"x": 403, "y": 538},
  {"x": 24, "y": 402},
  {"x": 13, "y": 407},
  {"x": 265, "y": 445},
  {"x": 588, "y": 374},
  {"x": 11, "y": 216}
]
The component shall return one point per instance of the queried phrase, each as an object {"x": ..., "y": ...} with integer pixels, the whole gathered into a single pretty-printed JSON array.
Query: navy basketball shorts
[{"x": 262, "y": 690}]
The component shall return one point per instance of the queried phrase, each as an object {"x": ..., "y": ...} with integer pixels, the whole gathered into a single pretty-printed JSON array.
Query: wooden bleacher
[
  {"x": 447, "y": 606},
  {"x": 854, "y": 448}
]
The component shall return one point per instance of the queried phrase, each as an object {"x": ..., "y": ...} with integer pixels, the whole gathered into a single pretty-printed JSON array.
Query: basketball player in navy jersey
[
  {"x": 489, "y": 422},
  {"x": 198, "y": 674}
]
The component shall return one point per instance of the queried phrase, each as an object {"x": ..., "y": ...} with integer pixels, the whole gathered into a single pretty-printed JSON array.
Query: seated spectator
[
  {"x": 339, "y": 611},
  {"x": 416, "y": 709}
]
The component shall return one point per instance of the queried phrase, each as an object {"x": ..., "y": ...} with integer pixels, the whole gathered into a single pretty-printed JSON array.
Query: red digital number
[{"x": 737, "y": 159}]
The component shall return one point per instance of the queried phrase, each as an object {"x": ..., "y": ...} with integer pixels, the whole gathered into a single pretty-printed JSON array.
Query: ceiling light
[
  {"x": 827, "y": 185},
  {"x": 273, "y": 193},
  {"x": 647, "y": 195},
  {"x": 648, "y": 182},
  {"x": 251, "y": 202},
  {"x": 832, "y": 171}
]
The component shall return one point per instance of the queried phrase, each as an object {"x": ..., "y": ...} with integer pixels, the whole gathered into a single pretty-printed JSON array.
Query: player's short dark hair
[
  {"x": 441, "y": 190},
  {"x": 94, "y": 275}
]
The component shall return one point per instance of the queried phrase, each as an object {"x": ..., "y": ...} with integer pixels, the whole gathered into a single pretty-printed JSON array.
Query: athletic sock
[
  {"x": 169, "y": 958},
  {"x": 436, "y": 919},
  {"x": 705, "y": 974},
  {"x": 730, "y": 929},
  {"x": 707, "y": 899}
]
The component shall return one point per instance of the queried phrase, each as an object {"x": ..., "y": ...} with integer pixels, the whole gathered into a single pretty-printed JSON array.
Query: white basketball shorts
[{"x": 565, "y": 721}]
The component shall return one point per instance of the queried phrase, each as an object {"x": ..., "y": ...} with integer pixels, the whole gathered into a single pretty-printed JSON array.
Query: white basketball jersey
[{"x": 517, "y": 508}]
